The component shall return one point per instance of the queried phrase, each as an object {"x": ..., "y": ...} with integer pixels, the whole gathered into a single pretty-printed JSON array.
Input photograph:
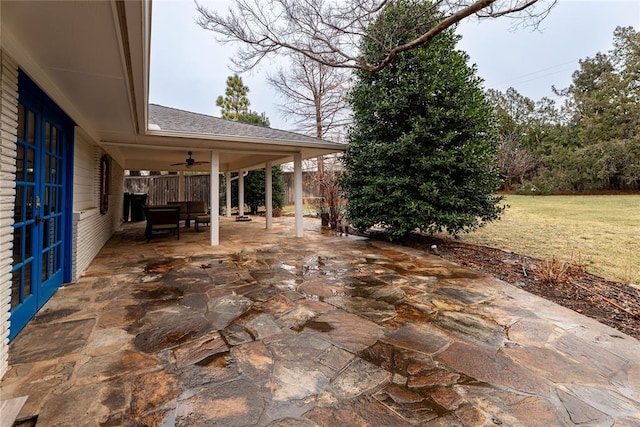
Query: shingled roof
[{"x": 170, "y": 119}]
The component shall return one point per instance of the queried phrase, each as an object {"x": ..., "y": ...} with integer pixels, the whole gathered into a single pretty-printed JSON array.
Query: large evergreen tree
[
  {"x": 422, "y": 147},
  {"x": 254, "y": 189},
  {"x": 606, "y": 91},
  {"x": 589, "y": 144}
]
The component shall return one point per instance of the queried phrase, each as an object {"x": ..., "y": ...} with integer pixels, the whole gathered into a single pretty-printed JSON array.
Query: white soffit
[{"x": 81, "y": 54}]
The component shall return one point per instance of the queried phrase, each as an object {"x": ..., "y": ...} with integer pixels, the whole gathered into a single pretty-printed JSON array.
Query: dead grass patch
[
  {"x": 553, "y": 271},
  {"x": 601, "y": 232}
]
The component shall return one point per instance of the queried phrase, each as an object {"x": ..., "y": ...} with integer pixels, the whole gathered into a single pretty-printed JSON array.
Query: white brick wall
[
  {"x": 85, "y": 177},
  {"x": 8, "y": 133},
  {"x": 91, "y": 230}
]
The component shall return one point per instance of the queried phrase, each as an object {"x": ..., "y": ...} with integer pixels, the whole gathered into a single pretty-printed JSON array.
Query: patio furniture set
[{"x": 167, "y": 217}]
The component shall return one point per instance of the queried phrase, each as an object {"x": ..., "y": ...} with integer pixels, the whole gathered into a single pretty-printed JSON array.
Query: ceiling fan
[{"x": 189, "y": 162}]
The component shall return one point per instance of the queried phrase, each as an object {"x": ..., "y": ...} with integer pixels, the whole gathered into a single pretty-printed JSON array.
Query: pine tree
[
  {"x": 234, "y": 103},
  {"x": 235, "y": 106}
]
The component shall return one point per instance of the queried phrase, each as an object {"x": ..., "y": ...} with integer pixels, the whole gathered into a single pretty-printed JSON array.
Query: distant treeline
[{"x": 589, "y": 143}]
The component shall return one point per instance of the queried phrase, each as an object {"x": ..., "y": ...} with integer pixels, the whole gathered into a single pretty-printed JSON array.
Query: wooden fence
[
  {"x": 310, "y": 189},
  {"x": 161, "y": 189}
]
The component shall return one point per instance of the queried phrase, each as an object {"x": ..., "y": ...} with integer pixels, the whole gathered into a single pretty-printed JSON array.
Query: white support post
[
  {"x": 297, "y": 193},
  {"x": 268, "y": 195},
  {"x": 227, "y": 181},
  {"x": 240, "y": 192},
  {"x": 214, "y": 225}
]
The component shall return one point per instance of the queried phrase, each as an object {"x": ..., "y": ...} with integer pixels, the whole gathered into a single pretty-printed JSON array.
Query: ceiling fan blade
[{"x": 189, "y": 162}]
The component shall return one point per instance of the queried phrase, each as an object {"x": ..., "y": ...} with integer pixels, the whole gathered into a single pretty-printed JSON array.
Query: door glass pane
[
  {"x": 46, "y": 200},
  {"x": 28, "y": 247},
  {"x": 30, "y": 164},
  {"x": 28, "y": 214},
  {"x": 46, "y": 168},
  {"x": 53, "y": 199},
  {"x": 54, "y": 260},
  {"x": 20, "y": 161},
  {"x": 52, "y": 169},
  {"x": 45, "y": 233},
  {"x": 26, "y": 288},
  {"x": 45, "y": 263},
  {"x": 30, "y": 200},
  {"x": 58, "y": 229},
  {"x": 47, "y": 136},
  {"x": 15, "y": 287},
  {"x": 55, "y": 176},
  {"x": 31, "y": 126},
  {"x": 17, "y": 244},
  {"x": 54, "y": 141},
  {"x": 18, "y": 213},
  {"x": 52, "y": 231},
  {"x": 21, "y": 118}
]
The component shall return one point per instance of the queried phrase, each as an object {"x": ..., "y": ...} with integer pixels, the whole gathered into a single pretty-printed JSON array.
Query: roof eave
[
  {"x": 134, "y": 33},
  {"x": 320, "y": 144}
]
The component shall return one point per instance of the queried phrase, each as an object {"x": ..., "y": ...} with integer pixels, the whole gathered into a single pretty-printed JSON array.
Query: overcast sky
[{"x": 189, "y": 68}]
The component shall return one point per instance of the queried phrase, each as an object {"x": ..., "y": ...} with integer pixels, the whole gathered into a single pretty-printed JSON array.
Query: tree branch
[{"x": 330, "y": 31}]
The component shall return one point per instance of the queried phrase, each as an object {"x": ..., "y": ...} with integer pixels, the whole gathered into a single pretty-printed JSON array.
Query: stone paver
[{"x": 270, "y": 330}]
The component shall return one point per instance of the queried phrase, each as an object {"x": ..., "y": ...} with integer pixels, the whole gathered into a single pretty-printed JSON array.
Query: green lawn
[{"x": 600, "y": 232}]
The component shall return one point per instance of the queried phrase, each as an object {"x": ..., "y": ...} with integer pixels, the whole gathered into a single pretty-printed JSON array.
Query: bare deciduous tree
[
  {"x": 516, "y": 162},
  {"x": 315, "y": 97},
  {"x": 330, "y": 31},
  {"x": 332, "y": 199}
]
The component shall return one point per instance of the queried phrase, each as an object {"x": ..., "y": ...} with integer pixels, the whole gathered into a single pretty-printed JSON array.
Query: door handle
[{"x": 38, "y": 220}]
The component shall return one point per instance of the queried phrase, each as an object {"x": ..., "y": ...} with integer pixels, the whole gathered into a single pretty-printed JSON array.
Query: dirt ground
[{"x": 612, "y": 303}]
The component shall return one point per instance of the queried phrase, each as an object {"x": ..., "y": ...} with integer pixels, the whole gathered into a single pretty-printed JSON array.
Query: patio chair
[
  {"x": 195, "y": 209},
  {"x": 162, "y": 218},
  {"x": 191, "y": 210},
  {"x": 202, "y": 219}
]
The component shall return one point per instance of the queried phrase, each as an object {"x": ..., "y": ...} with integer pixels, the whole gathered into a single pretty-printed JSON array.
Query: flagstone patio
[{"x": 271, "y": 330}]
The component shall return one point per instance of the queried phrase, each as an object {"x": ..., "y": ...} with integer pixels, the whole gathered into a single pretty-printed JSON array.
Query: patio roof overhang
[
  {"x": 173, "y": 133},
  {"x": 158, "y": 151},
  {"x": 92, "y": 59}
]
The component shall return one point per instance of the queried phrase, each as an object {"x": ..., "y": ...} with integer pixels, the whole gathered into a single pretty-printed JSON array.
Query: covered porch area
[
  {"x": 218, "y": 146},
  {"x": 266, "y": 329}
]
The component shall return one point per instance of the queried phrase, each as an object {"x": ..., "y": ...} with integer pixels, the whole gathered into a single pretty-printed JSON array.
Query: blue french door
[{"x": 41, "y": 240}]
